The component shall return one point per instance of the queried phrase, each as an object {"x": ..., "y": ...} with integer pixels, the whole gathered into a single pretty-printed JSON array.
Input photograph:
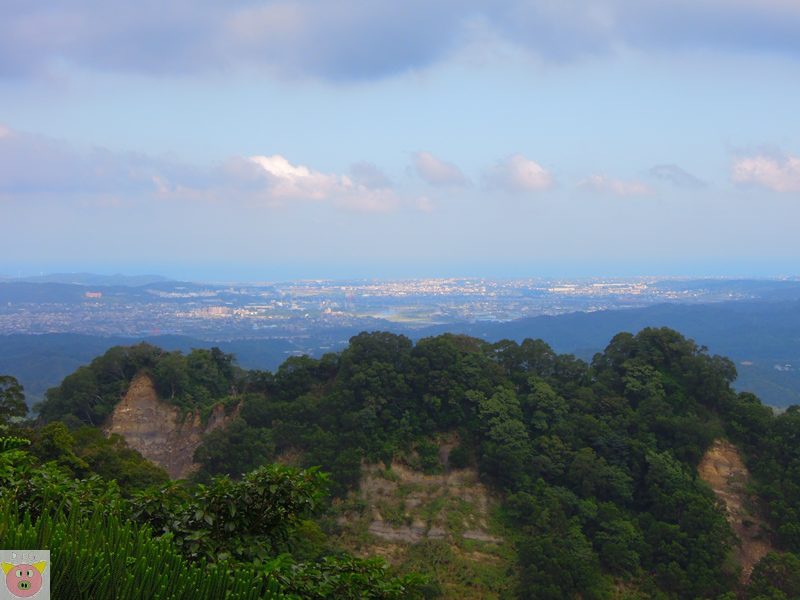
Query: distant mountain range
[
  {"x": 739, "y": 329},
  {"x": 90, "y": 279}
]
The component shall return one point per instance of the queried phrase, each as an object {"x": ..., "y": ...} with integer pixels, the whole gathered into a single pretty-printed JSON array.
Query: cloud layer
[
  {"x": 39, "y": 167},
  {"x": 367, "y": 39},
  {"x": 32, "y": 164}
]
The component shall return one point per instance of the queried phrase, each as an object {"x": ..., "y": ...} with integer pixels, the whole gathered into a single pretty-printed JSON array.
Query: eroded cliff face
[
  {"x": 158, "y": 430},
  {"x": 724, "y": 471},
  {"x": 443, "y": 524}
]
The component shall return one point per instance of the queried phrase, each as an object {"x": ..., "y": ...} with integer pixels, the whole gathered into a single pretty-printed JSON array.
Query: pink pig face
[{"x": 24, "y": 580}]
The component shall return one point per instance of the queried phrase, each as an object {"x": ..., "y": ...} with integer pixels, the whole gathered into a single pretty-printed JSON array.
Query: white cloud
[
  {"x": 436, "y": 171},
  {"x": 298, "y": 181},
  {"x": 4, "y": 131},
  {"x": 288, "y": 181},
  {"x": 519, "y": 174},
  {"x": 779, "y": 174},
  {"x": 618, "y": 187}
]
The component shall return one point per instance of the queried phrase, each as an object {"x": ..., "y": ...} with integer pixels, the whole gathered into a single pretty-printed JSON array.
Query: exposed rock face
[
  {"x": 412, "y": 496},
  {"x": 158, "y": 430},
  {"x": 722, "y": 469},
  {"x": 447, "y": 520}
]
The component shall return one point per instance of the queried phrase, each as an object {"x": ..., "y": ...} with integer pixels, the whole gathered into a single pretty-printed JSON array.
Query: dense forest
[{"x": 595, "y": 463}]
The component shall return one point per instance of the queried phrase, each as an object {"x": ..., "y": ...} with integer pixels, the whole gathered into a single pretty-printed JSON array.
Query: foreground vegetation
[
  {"x": 595, "y": 463},
  {"x": 228, "y": 539}
]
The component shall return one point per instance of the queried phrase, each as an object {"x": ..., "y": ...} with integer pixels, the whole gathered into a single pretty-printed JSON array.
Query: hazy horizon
[{"x": 253, "y": 273}]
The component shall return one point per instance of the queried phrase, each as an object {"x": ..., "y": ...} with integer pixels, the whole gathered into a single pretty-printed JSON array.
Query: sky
[{"x": 367, "y": 138}]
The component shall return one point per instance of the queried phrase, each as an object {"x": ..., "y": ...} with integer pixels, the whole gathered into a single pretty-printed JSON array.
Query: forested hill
[
  {"x": 763, "y": 337},
  {"x": 595, "y": 463},
  {"x": 42, "y": 361}
]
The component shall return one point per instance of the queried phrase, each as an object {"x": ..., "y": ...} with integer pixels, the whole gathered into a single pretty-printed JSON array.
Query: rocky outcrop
[{"x": 160, "y": 431}]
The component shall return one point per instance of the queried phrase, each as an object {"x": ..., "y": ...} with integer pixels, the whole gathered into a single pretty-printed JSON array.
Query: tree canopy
[{"x": 596, "y": 462}]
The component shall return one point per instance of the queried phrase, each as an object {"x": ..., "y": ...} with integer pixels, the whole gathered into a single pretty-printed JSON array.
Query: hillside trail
[{"x": 723, "y": 470}]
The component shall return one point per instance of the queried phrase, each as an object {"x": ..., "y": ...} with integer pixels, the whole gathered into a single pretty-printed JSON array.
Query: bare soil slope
[
  {"x": 158, "y": 430},
  {"x": 722, "y": 469}
]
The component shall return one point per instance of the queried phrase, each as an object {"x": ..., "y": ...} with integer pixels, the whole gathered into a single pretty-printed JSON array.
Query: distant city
[{"x": 140, "y": 307}]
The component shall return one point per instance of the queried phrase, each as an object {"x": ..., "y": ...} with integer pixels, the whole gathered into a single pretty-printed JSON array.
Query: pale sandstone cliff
[
  {"x": 722, "y": 469},
  {"x": 158, "y": 430}
]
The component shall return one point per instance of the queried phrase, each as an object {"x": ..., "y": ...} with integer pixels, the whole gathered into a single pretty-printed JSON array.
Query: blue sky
[{"x": 351, "y": 138}]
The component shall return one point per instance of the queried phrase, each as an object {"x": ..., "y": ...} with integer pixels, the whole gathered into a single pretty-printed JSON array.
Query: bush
[
  {"x": 460, "y": 457},
  {"x": 428, "y": 453}
]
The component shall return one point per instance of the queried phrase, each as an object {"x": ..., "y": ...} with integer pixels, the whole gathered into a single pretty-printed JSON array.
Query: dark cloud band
[{"x": 366, "y": 39}]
